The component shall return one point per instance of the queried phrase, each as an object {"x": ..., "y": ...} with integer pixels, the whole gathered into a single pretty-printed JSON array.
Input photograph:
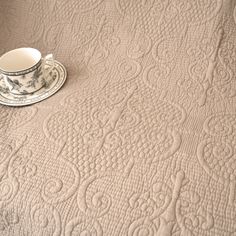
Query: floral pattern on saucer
[{"x": 52, "y": 84}]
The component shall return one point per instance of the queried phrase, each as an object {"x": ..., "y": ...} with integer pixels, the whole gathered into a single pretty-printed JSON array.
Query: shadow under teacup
[{"x": 24, "y": 70}]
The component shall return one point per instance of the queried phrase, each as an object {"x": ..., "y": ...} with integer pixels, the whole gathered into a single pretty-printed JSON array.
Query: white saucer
[{"x": 55, "y": 81}]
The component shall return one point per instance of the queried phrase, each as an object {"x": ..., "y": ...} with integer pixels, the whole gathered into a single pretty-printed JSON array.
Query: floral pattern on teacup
[{"x": 26, "y": 83}]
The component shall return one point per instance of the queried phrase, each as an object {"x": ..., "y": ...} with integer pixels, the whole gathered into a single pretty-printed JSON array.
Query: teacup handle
[{"x": 47, "y": 60}]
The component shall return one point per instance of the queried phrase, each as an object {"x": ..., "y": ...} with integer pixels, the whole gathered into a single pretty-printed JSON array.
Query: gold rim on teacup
[{"x": 23, "y": 70}]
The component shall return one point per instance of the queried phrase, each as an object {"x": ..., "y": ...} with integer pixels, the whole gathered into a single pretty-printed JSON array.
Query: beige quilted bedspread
[{"x": 141, "y": 140}]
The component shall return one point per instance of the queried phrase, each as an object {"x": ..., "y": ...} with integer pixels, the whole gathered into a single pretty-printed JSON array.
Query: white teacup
[{"x": 24, "y": 70}]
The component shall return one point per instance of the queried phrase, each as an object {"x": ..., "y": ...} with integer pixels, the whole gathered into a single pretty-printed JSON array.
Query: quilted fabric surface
[{"x": 141, "y": 139}]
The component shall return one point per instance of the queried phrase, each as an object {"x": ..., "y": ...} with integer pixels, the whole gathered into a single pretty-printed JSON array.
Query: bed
[{"x": 141, "y": 139}]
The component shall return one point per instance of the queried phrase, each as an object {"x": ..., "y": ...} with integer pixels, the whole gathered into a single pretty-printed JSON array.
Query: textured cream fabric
[{"x": 141, "y": 140}]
